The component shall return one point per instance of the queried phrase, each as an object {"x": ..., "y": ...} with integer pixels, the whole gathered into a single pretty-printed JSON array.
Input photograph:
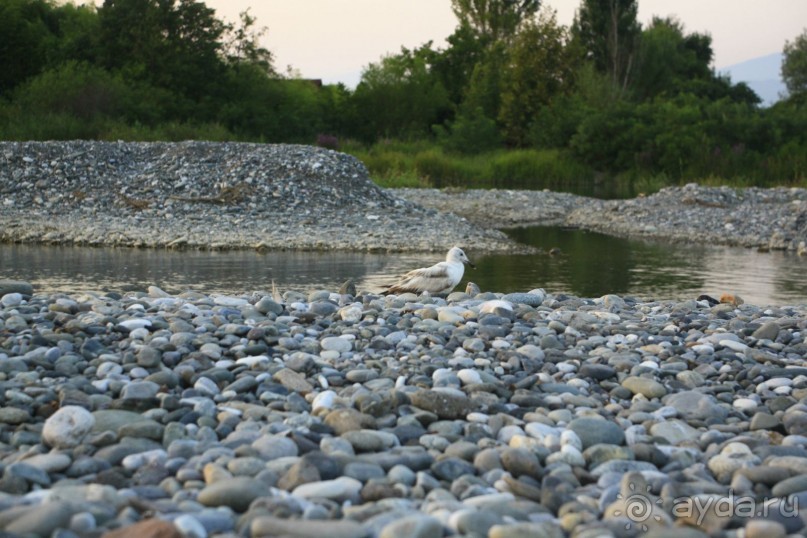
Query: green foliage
[
  {"x": 794, "y": 65},
  {"x": 668, "y": 57},
  {"x": 612, "y": 108},
  {"x": 395, "y": 164},
  {"x": 690, "y": 137},
  {"x": 87, "y": 93},
  {"x": 485, "y": 86},
  {"x": 439, "y": 170},
  {"x": 400, "y": 97},
  {"x": 539, "y": 68},
  {"x": 609, "y": 33},
  {"x": 494, "y": 19},
  {"x": 172, "y": 44},
  {"x": 454, "y": 66},
  {"x": 537, "y": 169},
  {"x": 24, "y": 42},
  {"x": 242, "y": 44},
  {"x": 472, "y": 132}
]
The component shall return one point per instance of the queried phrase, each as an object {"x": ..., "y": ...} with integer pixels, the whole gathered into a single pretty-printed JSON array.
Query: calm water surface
[{"x": 590, "y": 265}]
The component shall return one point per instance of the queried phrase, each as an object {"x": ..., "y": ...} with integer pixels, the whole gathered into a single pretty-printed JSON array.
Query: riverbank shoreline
[
  {"x": 218, "y": 196},
  {"x": 765, "y": 219}
]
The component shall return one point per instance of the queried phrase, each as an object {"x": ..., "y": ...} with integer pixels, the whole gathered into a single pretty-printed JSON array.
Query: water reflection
[
  {"x": 589, "y": 265},
  {"x": 592, "y": 264}
]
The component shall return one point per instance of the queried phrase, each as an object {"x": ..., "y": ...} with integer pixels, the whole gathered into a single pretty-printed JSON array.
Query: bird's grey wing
[{"x": 432, "y": 279}]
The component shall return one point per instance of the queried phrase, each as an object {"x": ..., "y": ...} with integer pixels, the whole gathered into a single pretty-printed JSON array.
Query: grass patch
[{"x": 426, "y": 165}]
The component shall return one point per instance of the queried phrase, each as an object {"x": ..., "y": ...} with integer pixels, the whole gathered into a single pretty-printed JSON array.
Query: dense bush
[{"x": 514, "y": 101}]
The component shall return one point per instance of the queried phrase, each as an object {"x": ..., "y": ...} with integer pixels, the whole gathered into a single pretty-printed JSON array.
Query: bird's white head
[{"x": 456, "y": 254}]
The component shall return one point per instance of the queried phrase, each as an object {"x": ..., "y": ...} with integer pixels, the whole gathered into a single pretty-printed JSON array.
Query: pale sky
[{"x": 335, "y": 39}]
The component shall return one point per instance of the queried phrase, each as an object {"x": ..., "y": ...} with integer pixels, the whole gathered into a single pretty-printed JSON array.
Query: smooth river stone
[
  {"x": 675, "y": 431},
  {"x": 649, "y": 388},
  {"x": 445, "y": 405},
  {"x": 42, "y": 519},
  {"x": 237, "y": 493},
  {"x": 413, "y": 526},
  {"x": 695, "y": 405},
  {"x": 293, "y": 381},
  {"x": 339, "y": 489},
  {"x": 594, "y": 431},
  {"x": 67, "y": 427},
  {"x": 15, "y": 286},
  {"x": 300, "y": 528},
  {"x": 148, "y": 528}
]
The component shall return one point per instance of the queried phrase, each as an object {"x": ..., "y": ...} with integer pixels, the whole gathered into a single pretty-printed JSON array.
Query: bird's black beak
[{"x": 469, "y": 263}]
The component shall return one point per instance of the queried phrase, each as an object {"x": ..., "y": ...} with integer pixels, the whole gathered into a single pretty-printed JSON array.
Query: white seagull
[{"x": 438, "y": 279}]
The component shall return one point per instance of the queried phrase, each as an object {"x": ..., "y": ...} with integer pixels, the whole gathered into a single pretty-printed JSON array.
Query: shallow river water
[{"x": 588, "y": 265}]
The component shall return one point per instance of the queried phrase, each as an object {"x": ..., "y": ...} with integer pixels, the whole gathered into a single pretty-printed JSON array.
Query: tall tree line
[{"x": 607, "y": 91}]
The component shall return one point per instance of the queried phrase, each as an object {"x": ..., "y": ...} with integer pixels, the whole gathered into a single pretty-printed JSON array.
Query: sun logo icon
[{"x": 638, "y": 507}]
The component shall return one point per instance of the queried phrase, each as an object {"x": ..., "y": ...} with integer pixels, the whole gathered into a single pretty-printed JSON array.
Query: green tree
[
  {"x": 471, "y": 132},
  {"x": 485, "y": 85},
  {"x": 400, "y": 97},
  {"x": 540, "y": 67},
  {"x": 24, "y": 42},
  {"x": 494, "y": 19},
  {"x": 88, "y": 92},
  {"x": 794, "y": 65},
  {"x": 668, "y": 57},
  {"x": 455, "y": 65},
  {"x": 174, "y": 44},
  {"x": 75, "y": 35},
  {"x": 609, "y": 34},
  {"x": 242, "y": 43}
]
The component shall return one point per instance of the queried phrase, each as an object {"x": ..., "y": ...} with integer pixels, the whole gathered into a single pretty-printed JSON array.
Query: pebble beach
[
  {"x": 351, "y": 414},
  {"x": 362, "y": 415}
]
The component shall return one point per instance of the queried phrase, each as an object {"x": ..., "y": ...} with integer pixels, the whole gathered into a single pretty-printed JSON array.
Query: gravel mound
[{"x": 212, "y": 195}]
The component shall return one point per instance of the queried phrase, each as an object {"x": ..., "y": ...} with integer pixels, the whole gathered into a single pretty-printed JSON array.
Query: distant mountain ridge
[{"x": 762, "y": 75}]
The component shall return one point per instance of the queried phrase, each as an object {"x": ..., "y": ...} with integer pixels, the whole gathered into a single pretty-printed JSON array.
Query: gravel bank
[
  {"x": 761, "y": 218},
  {"x": 361, "y": 416},
  {"x": 259, "y": 196},
  {"x": 216, "y": 196}
]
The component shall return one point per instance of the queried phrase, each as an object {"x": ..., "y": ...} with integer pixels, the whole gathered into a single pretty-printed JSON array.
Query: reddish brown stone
[{"x": 150, "y": 528}]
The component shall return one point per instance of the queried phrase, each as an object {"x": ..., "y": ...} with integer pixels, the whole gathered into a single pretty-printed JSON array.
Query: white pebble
[
  {"x": 351, "y": 313},
  {"x": 745, "y": 404},
  {"x": 469, "y": 376},
  {"x": 336, "y": 343},
  {"x": 135, "y": 323},
  {"x": 733, "y": 345},
  {"x": 508, "y": 432},
  {"x": 139, "y": 334},
  {"x": 252, "y": 362},
  {"x": 323, "y": 400},
  {"x": 190, "y": 527},
  {"x": 11, "y": 299},
  {"x": 135, "y": 461},
  {"x": 225, "y": 300},
  {"x": 206, "y": 386},
  {"x": 570, "y": 438},
  {"x": 67, "y": 427}
]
